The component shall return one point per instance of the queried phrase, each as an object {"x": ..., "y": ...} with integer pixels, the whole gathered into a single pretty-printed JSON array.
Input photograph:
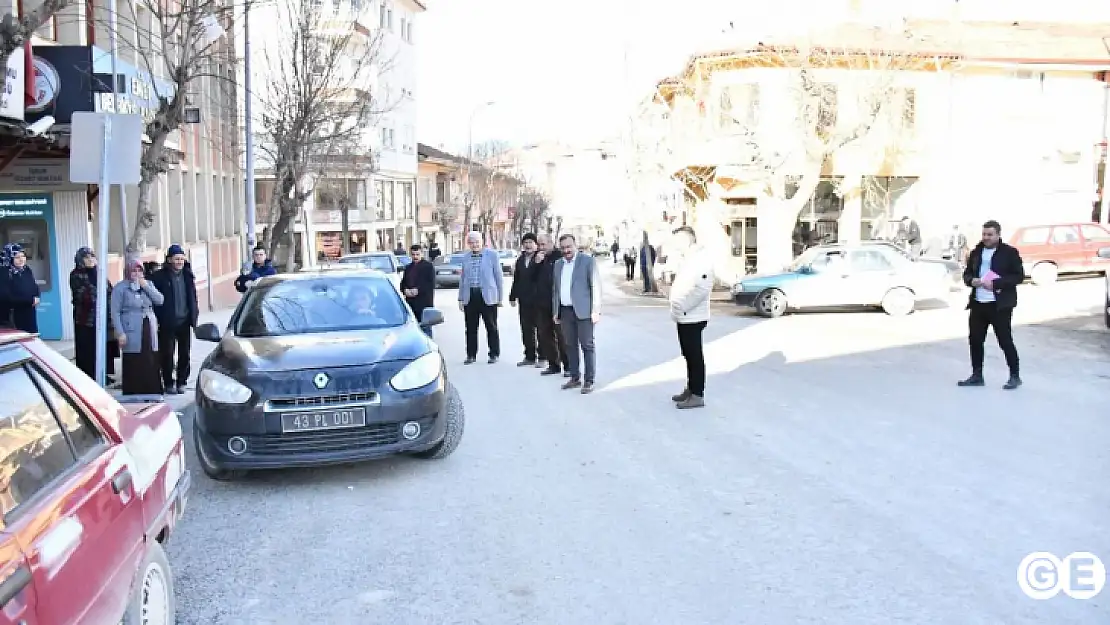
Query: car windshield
[
  {"x": 324, "y": 304},
  {"x": 806, "y": 258},
  {"x": 507, "y": 254},
  {"x": 377, "y": 261},
  {"x": 404, "y": 261}
]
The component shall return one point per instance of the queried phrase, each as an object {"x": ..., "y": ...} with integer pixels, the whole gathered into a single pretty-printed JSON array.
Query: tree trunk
[
  {"x": 144, "y": 219},
  {"x": 776, "y": 225},
  {"x": 282, "y": 237},
  {"x": 345, "y": 227}
]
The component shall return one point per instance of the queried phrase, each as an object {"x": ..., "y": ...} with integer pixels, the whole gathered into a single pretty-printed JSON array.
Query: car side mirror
[
  {"x": 431, "y": 317},
  {"x": 207, "y": 332},
  {"x": 1104, "y": 252},
  {"x": 400, "y": 269}
]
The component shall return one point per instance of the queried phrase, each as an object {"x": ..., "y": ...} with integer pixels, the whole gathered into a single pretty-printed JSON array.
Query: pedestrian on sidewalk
[
  {"x": 689, "y": 299},
  {"x": 418, "y": 283},
  {"x": 259, "y": 268},
  {"x": 577, "y": 298},
  {"x": 524, "y": 292},
  {"x": 133, "y": 305},
  {"x": 994, "y": 270},
  {"x": 549, "y": 334},
  {"x": 614, "y": 249},
  {"x": 630, "y": 264},
  {"x": 177, "y": 316},
  {"x": 647, "y": 262},
  {"x": 21, "y": 292},
  {"x": 82, "y": 287},
  {"x": 480, "y": 295}
]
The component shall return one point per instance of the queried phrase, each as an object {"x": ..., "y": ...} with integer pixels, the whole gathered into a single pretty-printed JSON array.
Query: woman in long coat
[
  {"x": 82, "y": 284},
  {"x": 21, "y": 292},
  {"x": 132, "y": 305}
]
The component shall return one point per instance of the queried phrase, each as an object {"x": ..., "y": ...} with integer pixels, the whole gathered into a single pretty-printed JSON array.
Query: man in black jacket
[
  {"x": 177, "y": 316},
  {"x": 524, "y": 292},
  {"x": 549, "y": 334},
  {"x": 994, "y": 270},
  {"x": 418, "y": 284}
]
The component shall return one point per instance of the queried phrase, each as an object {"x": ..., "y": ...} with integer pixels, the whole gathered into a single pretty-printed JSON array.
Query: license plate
[
  {"x": 444, "y": 273},
  {"x": 323, "y": 420}
]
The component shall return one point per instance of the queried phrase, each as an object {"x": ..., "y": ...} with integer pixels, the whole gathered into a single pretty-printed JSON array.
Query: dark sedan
[{"x": 322, "y": 368}]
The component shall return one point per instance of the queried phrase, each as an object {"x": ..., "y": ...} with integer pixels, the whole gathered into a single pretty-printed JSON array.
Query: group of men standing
[{"x": 558, "y": 296}]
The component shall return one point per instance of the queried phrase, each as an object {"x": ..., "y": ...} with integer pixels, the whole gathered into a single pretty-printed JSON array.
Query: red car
[
  {"x": 89, "y": 491},
  {"x": 1050, "y": 250}
]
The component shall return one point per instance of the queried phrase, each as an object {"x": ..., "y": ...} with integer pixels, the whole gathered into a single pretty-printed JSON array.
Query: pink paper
[{"x": 991, "y": 276}]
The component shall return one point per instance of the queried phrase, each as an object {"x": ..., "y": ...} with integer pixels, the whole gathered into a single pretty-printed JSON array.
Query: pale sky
[{"x": 557, "y": 69}]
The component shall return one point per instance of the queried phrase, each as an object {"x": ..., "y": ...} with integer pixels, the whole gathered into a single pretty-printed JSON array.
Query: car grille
[
  {"x": 326, "y": 400},
  {"x": 353, "y": 439}
]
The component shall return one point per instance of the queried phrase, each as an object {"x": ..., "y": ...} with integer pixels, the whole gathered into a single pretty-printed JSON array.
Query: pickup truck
[{"x": 90, "y": 490}]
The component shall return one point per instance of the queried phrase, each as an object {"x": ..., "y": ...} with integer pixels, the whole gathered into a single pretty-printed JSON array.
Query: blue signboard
[{"x": 28, "y": 219}]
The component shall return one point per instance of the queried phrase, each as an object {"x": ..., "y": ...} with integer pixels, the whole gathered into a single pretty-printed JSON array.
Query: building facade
[
  {"x": 197, "y": 204},
  {"x": 968, "y": 134}
]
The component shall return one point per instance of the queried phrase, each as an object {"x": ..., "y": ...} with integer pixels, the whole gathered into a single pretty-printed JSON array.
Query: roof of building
[{"x": 1031, "y": 43}]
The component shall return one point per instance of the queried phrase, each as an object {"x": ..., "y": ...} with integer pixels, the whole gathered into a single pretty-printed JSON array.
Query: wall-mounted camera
[{"x": 40, "y": 127}]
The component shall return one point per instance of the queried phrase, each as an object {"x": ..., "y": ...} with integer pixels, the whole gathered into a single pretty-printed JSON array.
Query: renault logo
[{"x": 321, "y": 380}]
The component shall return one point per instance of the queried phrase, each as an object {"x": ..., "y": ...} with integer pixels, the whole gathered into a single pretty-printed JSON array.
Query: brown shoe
[
  {"x": 587, "y": 388},
  {"x": 693, "y": 401},
  {"x": 572, "y": 383}
]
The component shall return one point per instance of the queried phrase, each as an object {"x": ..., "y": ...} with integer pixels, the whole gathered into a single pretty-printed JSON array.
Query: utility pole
[{"x": 248, "y": 127}]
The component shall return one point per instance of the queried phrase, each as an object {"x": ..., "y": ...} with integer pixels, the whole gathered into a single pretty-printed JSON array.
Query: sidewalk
[
  {"x": 200, "y": 351},
  {"x": 636, "y": 287}
]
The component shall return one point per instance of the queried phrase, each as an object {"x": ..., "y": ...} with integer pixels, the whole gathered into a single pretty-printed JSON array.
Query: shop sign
[{"x": 38, "y": 175}]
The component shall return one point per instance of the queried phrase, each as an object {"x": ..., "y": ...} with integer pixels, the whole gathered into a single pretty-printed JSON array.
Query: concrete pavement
[{"x": 836, "y": 476}]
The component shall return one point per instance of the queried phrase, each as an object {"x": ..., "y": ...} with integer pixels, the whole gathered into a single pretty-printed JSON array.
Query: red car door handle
[
  {"x": 14, "y": 584},
  {"x": 121, "y": 481}
]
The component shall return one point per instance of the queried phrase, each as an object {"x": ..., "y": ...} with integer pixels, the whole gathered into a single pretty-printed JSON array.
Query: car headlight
[
  {"x": 737, "y": 288},
  {"x": 222, "y": 389},
  {"x": 420, "y": 372}
]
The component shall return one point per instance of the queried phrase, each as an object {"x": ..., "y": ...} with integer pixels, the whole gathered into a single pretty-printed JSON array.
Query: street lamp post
[{"x": 468, "y": 197}]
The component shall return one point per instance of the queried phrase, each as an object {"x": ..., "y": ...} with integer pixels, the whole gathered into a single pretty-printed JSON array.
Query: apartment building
[
  {"x": 373, "y": 194},
  {"x": 197, "y": 204},
  {"x": 995, "y": 121}
]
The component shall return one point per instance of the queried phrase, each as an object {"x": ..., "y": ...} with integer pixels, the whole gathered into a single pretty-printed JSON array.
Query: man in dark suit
[
  {"x": 524, "y": 292},
  {"x": 177, "y": 316},
  {"x": 418, "y": 284},
  {"x": 549, "y": 334},
  {"x": 994, "y": 270}
]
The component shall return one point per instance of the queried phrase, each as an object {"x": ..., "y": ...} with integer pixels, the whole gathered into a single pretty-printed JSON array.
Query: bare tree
[
  {"x": 16, "y": 31},
  {"x": 531, "y": 211},
  {"x": 861, "y": 111},
  {"x": 319, "y": 108},
  {"x": 184, "y": 42}
]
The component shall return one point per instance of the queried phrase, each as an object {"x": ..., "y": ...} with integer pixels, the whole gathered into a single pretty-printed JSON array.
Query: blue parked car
[{"x": 867, "y": 274}]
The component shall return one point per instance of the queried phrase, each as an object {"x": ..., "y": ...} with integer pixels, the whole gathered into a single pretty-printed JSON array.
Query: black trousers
[
  {"x": 630, "y": 270},
  {"x": 689, "y": 342},
  {"x": 179, "y": 338},
  {"x": 528, "y": 334},
  {"x": 550, "y": 337},
  {"x": 477, "y": 309},
  {"x": 983, "y": 315},
  {"x": 84, "y": 351}
]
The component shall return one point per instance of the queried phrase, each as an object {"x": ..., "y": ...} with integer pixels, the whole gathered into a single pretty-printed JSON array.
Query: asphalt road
[{"x": 837, "y": 476}]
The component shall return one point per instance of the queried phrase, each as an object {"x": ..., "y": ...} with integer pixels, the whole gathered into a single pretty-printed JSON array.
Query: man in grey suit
[
  {"x": 480, "y": 295},
  {"x": 576, "y": 300}
]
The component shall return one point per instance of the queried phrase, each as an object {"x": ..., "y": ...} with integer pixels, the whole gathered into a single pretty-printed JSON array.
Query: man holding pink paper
[{"x": 994, "y": 270}]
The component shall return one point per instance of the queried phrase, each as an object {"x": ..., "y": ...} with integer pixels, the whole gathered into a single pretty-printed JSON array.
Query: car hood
[
  {"x": 236, "y": 355},
  {"x": 772, "y": 279}
]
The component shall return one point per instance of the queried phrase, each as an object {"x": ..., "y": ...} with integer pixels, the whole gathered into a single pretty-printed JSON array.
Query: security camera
[{"x": 40, "y": 127}]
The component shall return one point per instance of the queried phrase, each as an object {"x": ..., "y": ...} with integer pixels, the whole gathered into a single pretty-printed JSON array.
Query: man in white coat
[{"x": 689, "y": 299}]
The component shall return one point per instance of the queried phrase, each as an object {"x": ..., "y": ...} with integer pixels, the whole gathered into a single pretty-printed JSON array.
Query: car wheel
[
  {"x": 898, "y": 302},
  {"x": 456, "y": 423},
  {"x": 152, "y": 599},
  {"x": 771, "y": 303},
  {"x": 1044, "y": 274},
  {"x": 212, "y": 471}
]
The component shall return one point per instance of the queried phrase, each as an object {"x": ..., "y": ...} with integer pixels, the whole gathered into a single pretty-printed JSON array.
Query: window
[
  {"x": 869, "y": 260},
  {"x": 387, "y": 138},
  {"x": 82, "y": 435},
  {"x": 379, "y": 200},
  {"x": 1034, "y": 236},
  {"x": 33, "y": 450},
  {"x": 387, "y": 199},
  {"x": 885, "y": 199},
  {"x": 381, "y": 15},
  {"x": 1095, "y": 234},
  {"x": 828, "y": 261},
  {"x": 1064, "y": 235},
  {"x": 326, "y": 304},
  {"x": 408, "y": 35},
  {"x": 443, "y": 189},
  {"x": 389, "y": 19},
  {"x": 739, "y": 107},
  {"x": 404, "y": 28},
  {"x": 909, "y": 108}
]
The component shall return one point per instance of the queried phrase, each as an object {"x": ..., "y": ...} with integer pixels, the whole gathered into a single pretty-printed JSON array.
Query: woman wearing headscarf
[
  {"x": 136, "y": 327},
  {"x": 20, "y": 292},
  {"x": 82, "y": 284}
]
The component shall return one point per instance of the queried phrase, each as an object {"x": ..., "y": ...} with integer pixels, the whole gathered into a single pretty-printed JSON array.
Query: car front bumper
[
  {"x": 267, "y": 447},
  {"x": 745, "y": 298}
]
